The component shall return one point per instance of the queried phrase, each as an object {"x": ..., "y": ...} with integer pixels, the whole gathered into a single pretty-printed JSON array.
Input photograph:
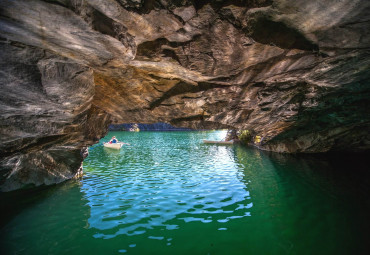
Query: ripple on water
[
  {"x": 184, "y": 197},
  {"x": 130, "y": 194}
]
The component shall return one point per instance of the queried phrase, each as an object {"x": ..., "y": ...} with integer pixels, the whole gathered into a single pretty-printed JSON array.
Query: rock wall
[
  {"x": 47, "y": 116},
  {"x": 294, "y": 72},
  {"x": 146, "y": 127}
]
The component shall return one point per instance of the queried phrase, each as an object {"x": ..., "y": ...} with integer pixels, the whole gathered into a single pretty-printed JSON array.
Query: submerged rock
[{"x": 295, "y": 73}]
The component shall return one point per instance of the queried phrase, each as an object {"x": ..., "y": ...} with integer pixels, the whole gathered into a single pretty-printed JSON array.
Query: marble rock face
[{"x": 295, "y": 73}]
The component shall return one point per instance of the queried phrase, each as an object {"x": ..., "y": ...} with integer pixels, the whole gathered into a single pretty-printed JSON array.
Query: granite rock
[{"x": 295, "y": 73}]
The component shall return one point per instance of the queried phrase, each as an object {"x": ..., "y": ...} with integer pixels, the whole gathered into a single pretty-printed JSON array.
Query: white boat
[
  {"x": 219, "y": 142},
  {"x": 116, "y": 146}
]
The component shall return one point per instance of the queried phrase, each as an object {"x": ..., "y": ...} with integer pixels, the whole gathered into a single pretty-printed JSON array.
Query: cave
[
  {"x": 70, "y": 68},
  {"x": 295, "y": 73}
]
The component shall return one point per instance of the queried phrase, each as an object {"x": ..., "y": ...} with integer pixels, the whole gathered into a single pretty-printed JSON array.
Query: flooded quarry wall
[{"x": 295, "y": 73}]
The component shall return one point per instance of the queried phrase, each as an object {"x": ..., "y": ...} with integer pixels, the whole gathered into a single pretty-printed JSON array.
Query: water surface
[{"x": 167, "y": 193}]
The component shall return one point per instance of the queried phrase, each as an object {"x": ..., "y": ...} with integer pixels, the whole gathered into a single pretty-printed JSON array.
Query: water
[{"x": 167, "y": 193}]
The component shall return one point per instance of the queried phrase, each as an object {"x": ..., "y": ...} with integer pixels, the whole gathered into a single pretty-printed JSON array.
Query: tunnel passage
[{"x": 68, "y": 69}]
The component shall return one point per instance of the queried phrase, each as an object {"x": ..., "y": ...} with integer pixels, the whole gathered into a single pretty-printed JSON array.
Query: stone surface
[
  {"x": 47, "y": 117},
  {"x": 295, "y": 73}
]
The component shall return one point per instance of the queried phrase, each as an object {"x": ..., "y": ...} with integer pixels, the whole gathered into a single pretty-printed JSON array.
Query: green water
[{"x": 167, "y": 193}]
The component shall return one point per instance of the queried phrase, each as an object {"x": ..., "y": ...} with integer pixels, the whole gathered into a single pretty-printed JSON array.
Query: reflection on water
[
  {"x": 163, "y": 185},
  {"x": 167, "y": 193}
]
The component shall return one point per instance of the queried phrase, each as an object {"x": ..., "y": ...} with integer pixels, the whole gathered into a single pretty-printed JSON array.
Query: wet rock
[
  {"x": 45, "y": 116},
  {"x": 294, "y": 73}
]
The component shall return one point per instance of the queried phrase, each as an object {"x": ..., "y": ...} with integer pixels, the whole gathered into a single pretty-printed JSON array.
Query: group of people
[{"x": 232, "y": 135}]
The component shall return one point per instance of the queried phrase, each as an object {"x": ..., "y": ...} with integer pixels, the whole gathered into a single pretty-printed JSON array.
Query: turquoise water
[{"x": 167, "y": 193}]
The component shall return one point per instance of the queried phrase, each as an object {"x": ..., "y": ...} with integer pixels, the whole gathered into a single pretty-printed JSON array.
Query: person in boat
[
  {"x": 113, "y": 140},
  {"x": 232, "y": 135}
]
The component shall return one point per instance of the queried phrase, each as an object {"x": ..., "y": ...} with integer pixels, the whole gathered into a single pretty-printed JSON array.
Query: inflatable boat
[
  {"x": 116, "y": 146},
  {"x": 219, "y": 142}
]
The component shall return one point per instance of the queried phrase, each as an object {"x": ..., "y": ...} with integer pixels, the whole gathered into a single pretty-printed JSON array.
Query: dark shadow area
[
  {"x": 344, "y": 177},
  {"x": 216, "y": 4},
  {"x": 146, "y": 127},
  {"x": 279, "y": 34},
  {"x": 144, "y": 7},
  {"x": 29, "y": 218},
  {"x": 325, "y": 197},
  {"x": 349, "y": 172},
  {"x": 16, "y": 201},
  {"x": 103, "y": 24},
  {"x": 150, "y": 49},
  {"x": 182, "y": 88}
]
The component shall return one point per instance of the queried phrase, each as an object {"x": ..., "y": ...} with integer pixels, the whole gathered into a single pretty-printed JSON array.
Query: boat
[
  {"x": 134, "y": 128},
  {"x": 116, "y": 146},
  {"x": 219, "y": 142}
]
